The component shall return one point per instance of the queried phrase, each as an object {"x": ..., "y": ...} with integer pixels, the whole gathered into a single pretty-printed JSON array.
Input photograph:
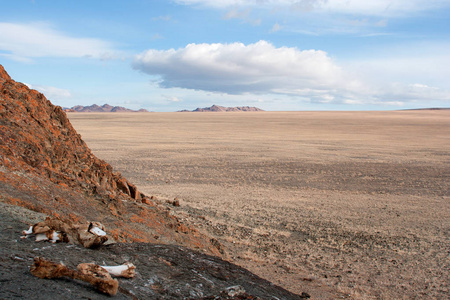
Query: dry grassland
[{"x": 337, "y": 204}]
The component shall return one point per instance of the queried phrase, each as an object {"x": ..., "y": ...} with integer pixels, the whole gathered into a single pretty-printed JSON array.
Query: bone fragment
[
  {"x": 56, "y": 236},
  {"x": 126, "y": 270},
  {"x": 93, "y": 270},
  {"x": 28, "y": 232},
  {"x": 89, "y": 240},
  {"x": 89, "y": 234},
  {"x": 41, "y": 237},
  {"x": 51, "y": 235},
  {"x": 97, "y": 231},
  {"x": 98, "y": 277}
]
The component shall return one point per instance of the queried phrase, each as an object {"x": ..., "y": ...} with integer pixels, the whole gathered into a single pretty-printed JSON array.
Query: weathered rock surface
[
  {"x": 162, "y": 271},
  {"x": 47, "y": 167},
  {"x": 47, "y": 170}
]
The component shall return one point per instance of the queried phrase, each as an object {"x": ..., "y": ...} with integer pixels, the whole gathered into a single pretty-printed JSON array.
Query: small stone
[
  {"x": 234, "y": 291},
  {"x": 305, "y": 295}
]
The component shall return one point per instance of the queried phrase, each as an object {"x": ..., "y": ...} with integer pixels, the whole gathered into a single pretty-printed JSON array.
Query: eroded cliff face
[
  {"x": 36, "y": 135},
  {"x": 46, "y": 166}
]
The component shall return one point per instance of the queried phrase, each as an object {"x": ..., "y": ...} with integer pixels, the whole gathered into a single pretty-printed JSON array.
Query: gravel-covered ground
[{"x": 350, "y": 202}]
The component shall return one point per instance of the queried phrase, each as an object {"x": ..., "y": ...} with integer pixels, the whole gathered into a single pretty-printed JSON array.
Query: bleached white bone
[
  {"x": 55, "y": 236},
  {"x": 41, "y": 237},
  {"x": 29, "y": 231},
  {"x": 89, "y": 234},
  {"x": 92, "y": 274},
  {"x": 126, "y": 270},
  {"x": 97, "y": 231}
]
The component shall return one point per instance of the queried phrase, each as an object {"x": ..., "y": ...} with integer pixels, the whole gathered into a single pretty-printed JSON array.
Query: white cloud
[
  {"x": 243, "y": 15},
  {"x": 381, "y": 23},
  {"x": 414, "y": 92},
  {"x": 157, "y": 36},
  {"x": 237, "y": 14},
  {"x": 320, "y": 17},
  {"x": 362, "y": 7},
  {"x": 23, "y": 41},
  {"x": 255, "y": 68},
  {"x": 307, "y": 5},
  {"x": 51, "y": 92},
  {"x": 307, "y": 75},
  {"x": 170, "y": 98},
  {"x": 276, "y": 27}
]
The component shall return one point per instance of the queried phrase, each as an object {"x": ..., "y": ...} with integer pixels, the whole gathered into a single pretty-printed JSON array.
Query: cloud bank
[
  {"x": 362, "y": 7},
  {"x": 51, "y": 92},
  {"x": 257, "y": 68},
  {"x": 23, "y": 41},
  {"x": 261, "y": 68}
]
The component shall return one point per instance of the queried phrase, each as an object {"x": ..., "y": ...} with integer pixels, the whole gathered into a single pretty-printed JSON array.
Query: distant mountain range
[
  {"x": 103, "y": 108},
  {"x": 217, "y": 108},
  {"x": 430, "y": 108}
]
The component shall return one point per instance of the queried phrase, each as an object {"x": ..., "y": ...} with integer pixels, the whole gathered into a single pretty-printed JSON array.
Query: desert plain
[{"x": 337, "y": 204}]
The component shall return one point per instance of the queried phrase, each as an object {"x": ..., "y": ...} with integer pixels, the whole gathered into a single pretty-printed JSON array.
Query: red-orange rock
[{"x": 42, "y": 158}]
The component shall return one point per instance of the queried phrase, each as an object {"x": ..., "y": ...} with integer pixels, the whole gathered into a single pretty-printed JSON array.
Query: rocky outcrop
[
  {"x": 161, "y": 271},
  {"x": 217, "y": 108},
  {"x": 103, "y": 108},
  {"x": 46, "y": 166},
  {"x": 46, "y": 169},
  {"x": 37, "y": 135}
]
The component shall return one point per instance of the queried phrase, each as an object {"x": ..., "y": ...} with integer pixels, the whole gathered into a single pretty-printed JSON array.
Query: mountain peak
[
  {"x": 218, "y": 108},
  {"x": 103, "y": 108},
  {"x": 3, "y": 74}
]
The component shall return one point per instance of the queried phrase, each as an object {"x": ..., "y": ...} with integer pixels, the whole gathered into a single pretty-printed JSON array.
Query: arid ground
[{"x": 337, "y": 204}]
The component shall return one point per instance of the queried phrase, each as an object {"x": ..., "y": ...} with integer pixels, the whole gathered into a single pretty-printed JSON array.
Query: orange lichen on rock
[
  {"x": 46, "y": 166},
  {"x": 38, "y": 135}
]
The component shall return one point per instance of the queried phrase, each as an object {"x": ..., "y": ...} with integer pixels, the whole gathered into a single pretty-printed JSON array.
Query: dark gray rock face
[{"x": 162, "y": 271}]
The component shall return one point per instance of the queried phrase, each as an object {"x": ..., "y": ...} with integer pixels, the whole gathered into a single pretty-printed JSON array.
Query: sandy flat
[{"x": 338, "y": 204}]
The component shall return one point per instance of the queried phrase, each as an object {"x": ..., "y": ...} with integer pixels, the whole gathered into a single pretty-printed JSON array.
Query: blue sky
[{"x": 276, "y": 55}]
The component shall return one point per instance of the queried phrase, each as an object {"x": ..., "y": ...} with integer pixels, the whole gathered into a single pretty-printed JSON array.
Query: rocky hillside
[
  {"x": 47, "y": 167},
  {"x": 162, "y": 271},
  {"x": 47, "y": 170},
  {"x": 217, "y": 108},
  {"x": 103, "y": 108}
]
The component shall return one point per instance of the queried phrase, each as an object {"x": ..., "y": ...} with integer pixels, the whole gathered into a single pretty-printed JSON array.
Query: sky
[{"x": 285, "y": 55}]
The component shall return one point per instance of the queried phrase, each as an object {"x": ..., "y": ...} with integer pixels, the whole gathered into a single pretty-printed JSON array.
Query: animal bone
[
  {"x": 51, "y": 224},
  {"x": 41, "y": 237},
  {"x": 96, "y": 276},
  {"x": 96, "y": 230},
  {"x": 126, "y": 270},
  {"x": 88, "y": 239},
  {"x": 93, "y": 270},
  {"x": 89, "y": 234},
  {"x": 36, "y": 229},
  {"x": 29, "y": 231},
  {"x": 51, "y": 235}
]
